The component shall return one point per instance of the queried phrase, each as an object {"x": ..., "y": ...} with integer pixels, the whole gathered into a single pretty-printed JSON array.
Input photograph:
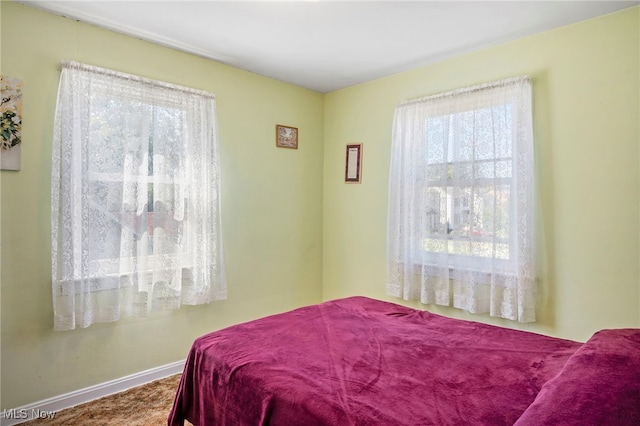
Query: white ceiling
[{"x": 328, "y": 45}]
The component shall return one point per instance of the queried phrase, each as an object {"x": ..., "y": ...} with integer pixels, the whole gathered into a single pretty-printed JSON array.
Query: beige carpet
[{"x": 147, "y": 405}]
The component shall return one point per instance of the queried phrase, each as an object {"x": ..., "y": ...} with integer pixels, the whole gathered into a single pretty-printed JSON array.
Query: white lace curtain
[
  {"x": 135, "y": 197},
  {"x": 460, "y": 224}
]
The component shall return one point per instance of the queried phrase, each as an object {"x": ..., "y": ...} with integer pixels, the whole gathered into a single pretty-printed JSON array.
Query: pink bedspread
[{"x": 359, "y": 361}]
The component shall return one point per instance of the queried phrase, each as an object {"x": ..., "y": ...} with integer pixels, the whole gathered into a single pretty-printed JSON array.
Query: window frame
[
  {"x": 96, "y": 109},
  {"x": 457, "y": 261}
]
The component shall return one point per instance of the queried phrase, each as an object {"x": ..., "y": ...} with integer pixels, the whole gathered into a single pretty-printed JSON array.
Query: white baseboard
[{"x": 47, "y": 407}]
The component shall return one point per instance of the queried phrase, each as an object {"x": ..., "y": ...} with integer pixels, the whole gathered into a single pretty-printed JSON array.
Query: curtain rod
[
  {"x": 465, "y": 90},
  {"x": 69, "y": 64}
]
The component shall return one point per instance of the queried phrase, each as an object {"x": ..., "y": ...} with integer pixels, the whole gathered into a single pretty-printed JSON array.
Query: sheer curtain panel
[
  {"x": 460, "y": 224},
  {"x": 135, "y": 197}
]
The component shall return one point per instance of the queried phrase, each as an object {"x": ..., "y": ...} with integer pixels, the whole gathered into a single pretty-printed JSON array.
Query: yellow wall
[
  {"x": 294, "y": 232},
  {"x": 586, "y": 128},
  {"x": 271, "y": 206}
]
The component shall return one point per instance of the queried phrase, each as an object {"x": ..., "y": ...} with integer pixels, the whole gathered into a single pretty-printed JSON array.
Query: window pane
[
  {"x": 467, "y": 183},
  {"x": 145, "y": 141}
]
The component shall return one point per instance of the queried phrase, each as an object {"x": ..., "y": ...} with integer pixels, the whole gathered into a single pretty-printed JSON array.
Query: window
[
  {"x": 460, "y": 228},
  {"x": 135, "y": 197},
  {"x": 469, "y": 168}
]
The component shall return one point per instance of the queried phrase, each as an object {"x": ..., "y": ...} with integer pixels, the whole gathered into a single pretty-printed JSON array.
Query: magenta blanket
[{"x": 359, "y": 361}]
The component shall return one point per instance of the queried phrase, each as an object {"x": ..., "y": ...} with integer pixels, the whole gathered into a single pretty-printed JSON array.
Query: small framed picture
[
  {"x": 353, "y": 166},
  {"x": 286, "y": 137}
]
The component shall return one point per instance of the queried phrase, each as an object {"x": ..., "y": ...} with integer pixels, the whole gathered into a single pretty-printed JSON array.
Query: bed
[{"x": 360, "y": 361}]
